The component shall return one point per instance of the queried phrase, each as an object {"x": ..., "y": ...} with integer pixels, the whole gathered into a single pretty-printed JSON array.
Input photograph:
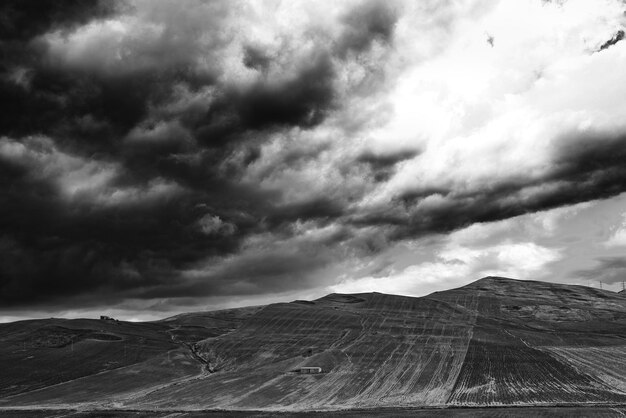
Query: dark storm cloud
[
  {"x": 584, "y": 167},
  {"x": 256, "y": 57},
  {"x": 92, "y": 112},
  {"x": 127, "y": 163},
  {"x": 317, "y": 208},
  {"x": 382, "y": 165},
  {"x": 370, "y": 21},
  {"x": 590, "y": 166},
  {"x": 120, "y": 113},
  {"x": 288, "y": 157},
  {"x": 21, "y": 20},
  {"x": 384, "y": 161},
  {"x": 615, "y": 39},
  {"x": 33, "y": 96},
  {"x": 93, "y": 103},
  {"x": 301, "y": 99},
  {"x": 276, "y": 266},
  {"x": 54, "y": 246},
  {"x": 253, "y": 274},
  {"x": 608, "y": 270}
]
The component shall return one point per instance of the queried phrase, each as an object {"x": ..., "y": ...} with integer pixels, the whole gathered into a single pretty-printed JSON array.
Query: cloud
[
  {"x": 584, "y": 167},
  {"x": 25, "y": 19},
  {"x": 220, "y": 148},
  {"x": 615, "y": 39},
  {"x": 618, "y": 237},
  {"x": 456, "y": 265},
  {"x": 382, "y": 165},
  {"x": 70, "y": 225},
  {"x": 367, "y": 23},
  {"x": 210, "y": 224},
  {"x": 265, "y": 264},
  {"x": 302, "y": 100},
  {"x": 608, "y": 270}
]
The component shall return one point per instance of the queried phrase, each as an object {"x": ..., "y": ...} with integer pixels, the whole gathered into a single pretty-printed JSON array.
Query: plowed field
[{"x": 496, "y": 342}]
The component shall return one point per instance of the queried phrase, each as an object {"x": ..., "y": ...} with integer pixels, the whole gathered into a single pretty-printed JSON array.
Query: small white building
[{"x": 310, "y": 370}]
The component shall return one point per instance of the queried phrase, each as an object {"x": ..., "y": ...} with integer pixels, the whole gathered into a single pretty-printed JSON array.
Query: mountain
[{"x": 494, "y": 342}]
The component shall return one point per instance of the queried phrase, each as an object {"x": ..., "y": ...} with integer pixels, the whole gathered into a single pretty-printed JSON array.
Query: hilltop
[{"x": 496, "y": 341}]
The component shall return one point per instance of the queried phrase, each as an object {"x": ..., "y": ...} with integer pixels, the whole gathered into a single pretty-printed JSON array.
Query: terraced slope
[
  {"x": 495, "y": 342},
  {"x": 375, "y": 349},
  {"x": 531, "y": 339}
]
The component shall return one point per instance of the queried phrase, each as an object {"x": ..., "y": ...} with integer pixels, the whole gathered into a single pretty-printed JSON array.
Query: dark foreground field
[
  {"x": 496, "y": 342},
  {"x": 493, "y": 412}
]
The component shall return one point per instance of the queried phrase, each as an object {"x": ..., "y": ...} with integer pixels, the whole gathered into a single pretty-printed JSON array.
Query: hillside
[{"x": 494, "y": 342}]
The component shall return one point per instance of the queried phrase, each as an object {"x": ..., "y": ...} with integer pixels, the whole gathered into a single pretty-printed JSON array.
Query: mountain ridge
[{"x": 545, "y": 343}]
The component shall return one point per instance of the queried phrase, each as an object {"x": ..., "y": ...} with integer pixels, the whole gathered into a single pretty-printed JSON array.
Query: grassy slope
[
  {"x": 99, "y": 358},
  {"x": 497, "y": 341},
  {"x": 35, "y": 354}
]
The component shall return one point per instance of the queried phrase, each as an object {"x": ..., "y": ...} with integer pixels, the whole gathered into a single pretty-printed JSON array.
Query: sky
[{"x": 159, "y": 157}]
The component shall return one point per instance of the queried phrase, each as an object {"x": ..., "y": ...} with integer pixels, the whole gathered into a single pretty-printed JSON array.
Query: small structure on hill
[
  {"x": 310, "y": 370},
  {"x": 106, "y": 318}
]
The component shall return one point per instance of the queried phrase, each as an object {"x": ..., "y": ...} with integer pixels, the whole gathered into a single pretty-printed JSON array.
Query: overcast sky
[{"x": 167, "y": 156}]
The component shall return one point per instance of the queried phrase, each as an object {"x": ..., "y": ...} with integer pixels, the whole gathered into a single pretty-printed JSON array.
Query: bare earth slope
[
  {"x": 529, "y": 341},
  {"x": 494, "y": 342}
]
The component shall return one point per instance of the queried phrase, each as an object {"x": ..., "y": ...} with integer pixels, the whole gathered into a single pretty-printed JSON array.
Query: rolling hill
[{"x": 495, "y": 342}]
